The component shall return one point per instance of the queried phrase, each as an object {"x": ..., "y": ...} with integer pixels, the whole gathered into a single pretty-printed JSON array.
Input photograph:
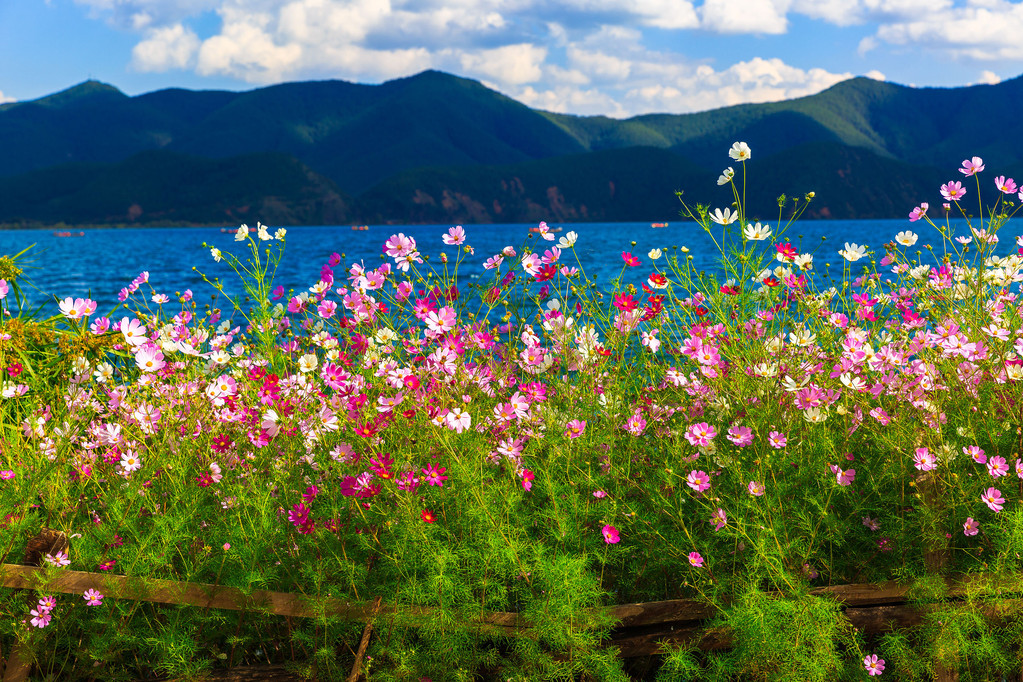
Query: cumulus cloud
[
  {"x": 4, "y": 99},
  {"x": 170, "y": 47},
  {"x": 745, "y": 16},
  {"x": 985, "y": 30},
  {"x": 656, "y": 83},
  {"x": 989, "y": 78},
  {"x": 509, "y": 64}
]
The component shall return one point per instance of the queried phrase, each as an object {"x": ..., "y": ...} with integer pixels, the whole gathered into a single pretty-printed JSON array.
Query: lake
[{"x": 102, "y": 261}]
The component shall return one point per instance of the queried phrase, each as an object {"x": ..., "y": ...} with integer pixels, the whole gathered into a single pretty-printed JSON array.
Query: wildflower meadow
[{"x": 437, "y": 443}]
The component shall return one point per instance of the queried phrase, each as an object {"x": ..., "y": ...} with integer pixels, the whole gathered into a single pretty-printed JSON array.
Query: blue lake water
[{"x": 103, "y": 261}]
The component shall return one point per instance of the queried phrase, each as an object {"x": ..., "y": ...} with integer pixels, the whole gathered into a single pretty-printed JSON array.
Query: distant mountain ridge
[{"x": 436, "y": 147}]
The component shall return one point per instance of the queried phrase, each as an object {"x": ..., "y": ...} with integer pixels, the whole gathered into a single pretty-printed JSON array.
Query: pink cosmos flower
[
  {"x": 527, "y": 479},
  {"x": 455, "y": 236},
  {"x": 953, "y": 191},
  {"x": 149, "y": 358},
  {"x": 40, "y": 618},
  {"x": 976, "y": 453},
  {"x": 719, "y": 519},
  {"x": 60, "y": 559},
  {"x": 845, "y": 477},
  {"x": 575, "y": 428},
  {"x": 992, "y": 497},
  {"x": 599, "y": 494},
  {"x": 870, "y": 523},
  {"x": 700, "y": 434},
  {"x": 4, "y": 289},
  {"x": 756, "y": 488},
  {"x": 1019, "y": 468},
  {"x": 610, "y": 534},
  {"x": 134, "y": 331},
  {"x": 698, "y": 481},
  {"x": 918, "y": 212},
  {"x": 923, "y": 459},
  {"x": 777, "y": 440},
  {"x": 6, "y": 474},
  {"x": 635, "y": 424},
  {"x": 434, "y": 475},
  {"x": 1006, "y": 186},
  {"x": 92, "y": 597},
  {"x": 997, "y": 466},
  {"x": 741, "y": 435},
  {"x": 972, "y": 166},
  {"x": 873, "y": 665},
  {"x": 77, "y": 308},
  {"x": 971, "y": 527},
  {"x": 695, "y": 559},
  {"x": 442, "y": 320}
]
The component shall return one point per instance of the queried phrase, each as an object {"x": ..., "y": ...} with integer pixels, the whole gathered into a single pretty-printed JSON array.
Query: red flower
[
  {"x": 546, "y": 273},
  {"x": 786, "y": 250},
  {"x": 625, "y": 302},
  {"x": 365, "y": 429},
  {"x": 428, "y": 516},
  {"x": 629, "y": 259}
]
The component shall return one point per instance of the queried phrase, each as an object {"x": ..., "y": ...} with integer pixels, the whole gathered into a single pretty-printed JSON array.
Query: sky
[{"x": 617, "y": 58}]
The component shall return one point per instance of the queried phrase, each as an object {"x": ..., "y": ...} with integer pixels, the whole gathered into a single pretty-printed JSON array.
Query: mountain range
[{"x": 438, "y": 148}]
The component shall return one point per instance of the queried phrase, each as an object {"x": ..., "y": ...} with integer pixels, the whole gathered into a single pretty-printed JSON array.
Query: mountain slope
[{"x": 270, "y": 187}]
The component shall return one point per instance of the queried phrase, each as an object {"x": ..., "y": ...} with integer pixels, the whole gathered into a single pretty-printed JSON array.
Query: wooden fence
[{"x": 644, "y": 629}]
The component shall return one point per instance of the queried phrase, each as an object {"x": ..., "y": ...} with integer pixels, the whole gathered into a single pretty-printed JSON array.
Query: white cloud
[
  {"x": 876, "y": 75},
  {"x": 989, "y": 78},
  {"x": 171, "y": 47},
  {"x": 510, "y": 64},
  {"x": 656, "y": 83},
  {"x": 984, "y": 30},
  {"x": 4, "y": 99},
  {"x": 745, "y": 16}
]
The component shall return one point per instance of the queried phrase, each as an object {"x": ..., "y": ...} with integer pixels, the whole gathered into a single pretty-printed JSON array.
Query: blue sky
[{"x": 613, "y": 57}]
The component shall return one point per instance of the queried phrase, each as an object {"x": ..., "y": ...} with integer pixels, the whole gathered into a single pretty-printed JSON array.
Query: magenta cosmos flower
[
  {"x": 698, "y": 481},
  {"x": 695, "y": 559},
  {"x": 873, "y": 665},
  {"x": 971, "y": 527},
  {"x": 575, "y": 428},
  {"x": 923, "y": 459},
  {"x": 92, "y": 597},
  {"x": 777, "y": 440},
  {"x": 992, "y": 497},
  {"x": 997, "y": 466},
  {"x": 610, "y": 534},
  {"x": 701, "y": 434}
]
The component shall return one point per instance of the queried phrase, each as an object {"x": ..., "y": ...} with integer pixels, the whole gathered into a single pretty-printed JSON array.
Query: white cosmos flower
[
  {"x": 242, "y": 233},
  {"x": 906, "y": 238},
  {"x": 740, "y": 151},
  {"x": 726, "y": 176},
  {"x": 726, "y": 217},
  {"x": 654, "y": 254},
  {"x": 215, "y": 252},
  {"x": 262, "y": 232},
  {"x": 307, "y": 363},
  {"x": 756, "y": 233},
  {"x": 853, "y": 252},
  {"x": 568, "y": 241}
]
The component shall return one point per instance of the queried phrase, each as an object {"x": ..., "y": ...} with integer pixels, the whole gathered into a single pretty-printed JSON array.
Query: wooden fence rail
[{"x": 643, "y": 629}]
